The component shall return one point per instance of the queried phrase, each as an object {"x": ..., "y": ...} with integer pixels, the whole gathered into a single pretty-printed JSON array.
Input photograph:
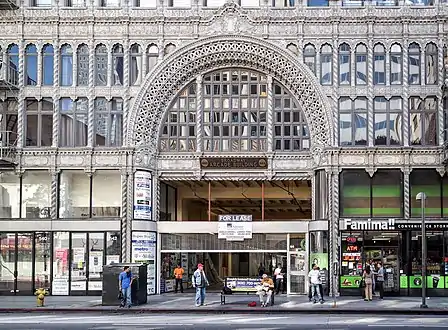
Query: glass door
[
  {"x": 24, "y": 263},
  {"x": 297, "y": 270},
  {"x": 7, "y": 263},
  {"x": 78, "y": 267},
  {"x": 96, "y": 262},
  {"x": 42, "y": 260}
]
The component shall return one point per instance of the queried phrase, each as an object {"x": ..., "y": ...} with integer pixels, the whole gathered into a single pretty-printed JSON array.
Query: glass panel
[
  {"x": 78, "y": 270},
  {"x": 42, "y": 260},
  {"x": 48, "y": 66},
  {"x": 361, "y": 64},
  {"x": 36, "y": 195},
  {"x": 345, "y": 129},
  {"x": 24, "y": 262},
  {"x": 387, "y": 193},
  {"x": 61, "y": 245},
  {"x": 96, "y": 260},
  {"x": 113, "y": 247},
  {"x": 355, "y": 193},
  {"x": 9, "y": 195},
  {"x": 83, "y": 65},
  {"x": 396, "y": 69},
  {"x": 7, "y": 262},
  {"x": 106, "y": 194},
  {"x": 326, "y": 68},
  {"x": 101, "y": 58},
  {"x": 431, "y": 64},
  {"x": 66, "y": 69},
  {"x": 74, "y": 194},
  {"x": 429, "y": 182}
]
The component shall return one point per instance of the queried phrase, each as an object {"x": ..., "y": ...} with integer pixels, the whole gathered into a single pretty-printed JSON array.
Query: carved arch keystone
[{"x": 183, "y": 65}]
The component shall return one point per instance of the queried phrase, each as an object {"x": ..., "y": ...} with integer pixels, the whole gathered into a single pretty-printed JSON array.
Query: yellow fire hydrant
[{"x": 40, "y": 297}]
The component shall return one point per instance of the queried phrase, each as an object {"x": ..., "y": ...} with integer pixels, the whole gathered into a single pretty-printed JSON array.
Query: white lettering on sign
[
  {"x": 235, "y": 217},
  {"x": 369, "y": 224}
]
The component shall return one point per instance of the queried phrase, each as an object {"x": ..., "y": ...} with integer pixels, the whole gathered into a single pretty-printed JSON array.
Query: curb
[{"x": 377, "y": 311}]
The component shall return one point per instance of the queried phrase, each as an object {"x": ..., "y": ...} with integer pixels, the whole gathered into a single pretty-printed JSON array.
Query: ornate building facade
[{"x": 107, "y": 106}]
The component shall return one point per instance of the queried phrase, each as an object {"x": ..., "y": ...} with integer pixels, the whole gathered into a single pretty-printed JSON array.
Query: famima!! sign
[{"x": 369, "y": 224}]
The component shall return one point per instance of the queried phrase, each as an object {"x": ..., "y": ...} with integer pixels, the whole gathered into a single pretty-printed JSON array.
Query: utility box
[{"x": 138, "y": 287}]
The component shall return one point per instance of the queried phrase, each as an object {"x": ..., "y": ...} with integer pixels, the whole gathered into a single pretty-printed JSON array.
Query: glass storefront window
[
  {"x": 106, "y": 194},
  {"x": 445, "y": 194},
  {"x": 427, "y": 181},
  {"x": 78, "y": 270},
  {"x": 96, "y": 261},
  {"x": 36, "y": 195},
  {"x": 10, "y": 195},
  {"x": 319, "y": 249},
  {"x": 42, "y": 260},
  {"x": 61, "y": 246},
  {"x": 113, "y": 248},
  {"x": 387, "y": 193},
  {"x": 24, "y": 262},
  {"x": 351, "y": 257},
  {"x": 74, "y": 195},
  {"x": 7, "y": 262},
  {"x": 435, "y": 260},
  {"x": 355, "y": 193}
]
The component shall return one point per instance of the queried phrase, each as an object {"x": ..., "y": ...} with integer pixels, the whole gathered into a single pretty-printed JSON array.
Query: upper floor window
[
  {"x": 414, "y": 64},
  {"x": 73, "y": 124},
  {"x": 293, "y": 49},
  {"x": 12, "y": 70},
  {"x": 318, "y": 3},
  {"x": 431, "y": 64},
  {"x": 74, "y": 3},
  {"x": 145, "y": 3},
  {"x": 153, "y": 55},
  {"x": 109, "y": 3},
  {"x": 108, "y": 122},
  {"x": 41, "y": 3},
  {"x": 279, "y": 3},
  {"x": 48, "y": 65},
  {"x": 83, "y": 65},
  {"x": 388, "y": 120},
  {"x": 39, "y": 122},
  {"x": 169, "y": 48},
  {"x": 326, "y": 65},
  {"x": 101, "y": 59},
  {"x": 309, "y": 57},
  {"x": 352, "y": 121},
  {"x": 396, "y": 65},
  {"x": 361, "y": 64},
  {"x": 423, "y": 121},
  {"x": 117, "y": 65},
  {"x": 135, "y": 65},
  {"x": 66, "y": 69},
  {"x": 344, "y": 64},
  {"x": 31, "y": 65},
  {"x": 379, "y": 65}
]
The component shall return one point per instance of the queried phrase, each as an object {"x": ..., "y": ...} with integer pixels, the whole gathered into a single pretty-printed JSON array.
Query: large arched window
[
  {"x": 396, "y": 65},
  {"x": 101, "y": 65},
  {"x": 344, "y": 64},
  {"x": 431, "y": 67},
  {"x": 118, "y": 65},
  {"x": 309, "y": 57},
  {"x": 414, "y": 64},
  {"x": 361, "y": 64},
  {"x": 326, "y": 65},
  {"x": 379, "y": 65},
  {"x": 135, "y": 65},
  {"x": 12, "y": 70},
  {"x": 235, "y": 111},
  {"x": 30, "y": 65},
  {"x": 66, "y": 70},
  {"x": 83, "y": 65},
  {"x": 48, "y": 65}
]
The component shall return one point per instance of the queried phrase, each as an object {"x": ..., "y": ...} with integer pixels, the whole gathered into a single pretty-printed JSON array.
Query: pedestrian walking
[
  {"x": 200, "y": 282},
  {"x": 314, "y": 276},
  {"x": 278, "y": 274},
  {"x": 124, "y": 284},
  {"x": 178, "y": 274},
  {"x": 368, "y": 280}
]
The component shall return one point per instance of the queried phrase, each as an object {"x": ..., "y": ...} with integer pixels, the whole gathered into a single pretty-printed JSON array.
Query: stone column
[
  {"x": 199, "y": 109},
  {"x": 406, "y": 193},
  {"x": 54, "y": 194},
  {"x": 405, "y": 72},
  {"x": 91, "y": 95},
  {"x": 333, "y": 237},
  {"x": 270, "y": 115},
  {"x": 126, "y": 238},
  {"x": 320, "y": 195},
  {"x": 440, "y": 92},
  {"x": 125, "y": 253},
  {"x": 39, "y": 65},
  {"x": 56, "y": 101},
  {"x": 21, "y": 97},
  {"x": 370, "y": 94},
  {"x": 155, "y": 196}
]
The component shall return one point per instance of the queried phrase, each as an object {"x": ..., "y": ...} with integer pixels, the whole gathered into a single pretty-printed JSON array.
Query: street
[{"x": 214, "y": 321}]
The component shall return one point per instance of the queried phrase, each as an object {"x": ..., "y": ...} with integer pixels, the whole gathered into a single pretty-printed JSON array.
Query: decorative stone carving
[{"x": 169, "y": 78}]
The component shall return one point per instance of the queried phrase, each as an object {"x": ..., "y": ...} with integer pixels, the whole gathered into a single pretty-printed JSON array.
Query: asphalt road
[{"x": 216, "y": 322}]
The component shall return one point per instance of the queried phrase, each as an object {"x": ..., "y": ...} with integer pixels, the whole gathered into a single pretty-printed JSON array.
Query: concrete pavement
[
  {"x": 190, "y": 321},
  {"x": 179, "y": 303}
]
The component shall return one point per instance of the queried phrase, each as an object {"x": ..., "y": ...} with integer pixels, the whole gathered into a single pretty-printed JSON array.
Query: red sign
[{"x": 351, "y": 239}]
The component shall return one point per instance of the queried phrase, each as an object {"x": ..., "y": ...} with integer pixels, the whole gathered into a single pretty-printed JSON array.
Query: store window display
[
  {"x": 74, "y": 194},
  {"x": 36, "y": 195},
  {"x": 9, "y": 195}
]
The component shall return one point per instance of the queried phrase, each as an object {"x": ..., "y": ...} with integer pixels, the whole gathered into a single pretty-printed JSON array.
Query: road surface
[{"x": 216, "y": 322}]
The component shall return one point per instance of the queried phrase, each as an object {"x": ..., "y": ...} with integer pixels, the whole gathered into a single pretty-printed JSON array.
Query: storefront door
[
  {"x": 390, "y": 260},
  {"x": 297, "y": 261}
]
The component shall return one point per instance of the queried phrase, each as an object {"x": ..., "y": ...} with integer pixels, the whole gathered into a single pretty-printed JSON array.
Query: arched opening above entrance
[{"x": 236, "y": 110}]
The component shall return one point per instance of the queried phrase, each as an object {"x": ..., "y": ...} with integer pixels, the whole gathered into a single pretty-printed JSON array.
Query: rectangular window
[
  {"x": 344, "y": 69},
  {"x": 10, "y": 195},
  {"x": 429, "y": 182},
  {"x": 73, "y": 122},
  {"x": 106, "y": 194},
  {"x": 36, "y": 195},
  {"x": 396, "y": 72},
  {"x": 361, "y": 69},
  {"x": 379, "y": 70},
  {"x": 355, "y": 194},
  {"x": 39, "y": 122},
  {"x": 326, "y": 69},
  {"x": 387, "y": 199},
  {"x": 74, "y": 194}
]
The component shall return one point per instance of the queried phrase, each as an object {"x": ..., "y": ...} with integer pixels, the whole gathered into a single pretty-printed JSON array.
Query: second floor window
[
  {"x": 344, "y": 64},
  {"x": 388, "y": 120}
]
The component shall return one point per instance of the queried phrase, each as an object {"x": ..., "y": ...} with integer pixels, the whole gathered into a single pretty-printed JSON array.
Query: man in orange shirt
[{"x": 178, "y": 273}]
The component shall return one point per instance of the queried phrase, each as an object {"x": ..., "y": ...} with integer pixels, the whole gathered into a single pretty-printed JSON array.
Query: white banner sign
[
  {"x": 235, "y": 231},
  {"x": 143, "y": 195},
  {"x": 235, "y": 217},
  {"x": 144, "y": 251}
]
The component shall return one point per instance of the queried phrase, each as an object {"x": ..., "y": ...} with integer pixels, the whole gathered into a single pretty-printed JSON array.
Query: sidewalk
[{"x": 181, "y": 303}]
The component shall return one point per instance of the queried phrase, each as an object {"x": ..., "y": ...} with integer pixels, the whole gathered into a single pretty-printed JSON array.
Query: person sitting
[{"x": 265, "y": 290}]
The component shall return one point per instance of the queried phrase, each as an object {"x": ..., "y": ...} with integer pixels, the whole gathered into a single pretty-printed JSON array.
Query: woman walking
[{"x": 368, "y": 280}]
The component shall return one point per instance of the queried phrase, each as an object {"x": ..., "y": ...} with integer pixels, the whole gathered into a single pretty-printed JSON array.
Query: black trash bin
[{"x": 110, "y": 284}]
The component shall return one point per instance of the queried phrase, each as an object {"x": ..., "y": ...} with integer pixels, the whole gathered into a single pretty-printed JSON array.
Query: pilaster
[
  {"x": 370, "y": 94},
  {"x": 155, "y": 196},
  {"x": 39, "y": 65},
  {"x": 124, "y": 213},
  {"x": 91, "y": 95},
  {"x": 199, "y": 109},
  {"x": 405, "y": 45},
  {"x": 21, "y": 96},
  {"x": 406, "y": 192},
  {"x": 54, "y": 193},
  {"x": 56, "y": 95},
  {"x": 127, "y": 220},
  {"x": 270, "y": 115},
  {"x": 440, "y": 80}
]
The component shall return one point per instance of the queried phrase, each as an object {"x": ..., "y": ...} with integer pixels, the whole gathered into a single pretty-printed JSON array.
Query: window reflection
[
  {"x": 118, "y": 65},
  {"x": 326, "y": 65},
  {"x": 74, "y": 194},
  {"x": 344, "y": 64},
  {"x": 423, "y": 121},
  {"x": 39, "y": 122},
  {"x": 73, "y": 122},
  {"x": 317, "y": 3},
  {"x": 309, "y": 57},
  {"x": 135, "y": 69},
  {"x": 431, "y": 64},
  {"x": 10, "y": 195},
  {"x": 153, "y": 55},
  {"x": 361, "y": 64},
  {"x": 388, "y": 117},
  {"x": 379, "y": 65},
  {"x": 66, "y": 69},
  {"x": 36, "y": 195},
  {"x": 12, "y": 72},
  {"x": 48, "y": 65},
  {"x": 414, "y": 64},
  {"x": 101, "y": 58},
  {"x": 30, "y": 65},
  {"x": 83, "y": 65},
  {"x": 108, "y": 122},
  {"x": 352, "y": 121},
  {"x": 396, "y": 65}
]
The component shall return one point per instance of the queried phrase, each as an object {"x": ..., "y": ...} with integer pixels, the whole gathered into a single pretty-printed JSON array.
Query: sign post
[{"x": 421, "y": 196}]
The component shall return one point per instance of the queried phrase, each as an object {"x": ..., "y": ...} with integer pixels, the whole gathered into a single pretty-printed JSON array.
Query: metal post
[
  {"x": 335, "y": 280},
  {"x": 422, "y": 197}
]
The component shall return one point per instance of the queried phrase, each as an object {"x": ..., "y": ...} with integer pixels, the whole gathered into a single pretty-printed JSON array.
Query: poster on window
[
  {"x": 143, "y": 195},
  {"x": 144, "y": 251}
]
